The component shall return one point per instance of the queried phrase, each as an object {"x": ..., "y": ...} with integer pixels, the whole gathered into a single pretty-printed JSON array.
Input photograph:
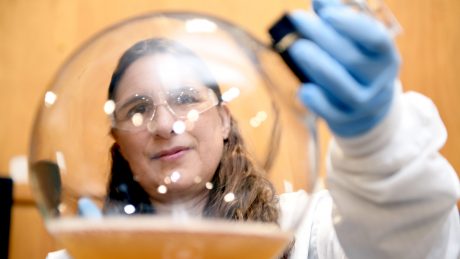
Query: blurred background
[{"x": 37, "y": 36}]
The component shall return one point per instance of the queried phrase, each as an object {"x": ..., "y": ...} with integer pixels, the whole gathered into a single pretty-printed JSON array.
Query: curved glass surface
[{"x": 174, "y": 135}]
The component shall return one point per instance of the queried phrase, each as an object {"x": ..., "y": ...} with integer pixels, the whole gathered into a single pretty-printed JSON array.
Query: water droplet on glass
[
  {"x": 229, "y": 197},
  {"x": 175, "y": 176},
  {"x": 129, "y": 209},
  {"x": 162, "y": 189},
  {"x": 209, "y": 186},
  {"x": 50, "y": 98},
  {"x": 151, "y": 126},
  {"x": 231, "y": 94},
  {"x": 197, "y": 179},
  {"x": 137, "y": 119},
  {"x": 193, "y": 115},
  {"x": 109, "y": 107}
]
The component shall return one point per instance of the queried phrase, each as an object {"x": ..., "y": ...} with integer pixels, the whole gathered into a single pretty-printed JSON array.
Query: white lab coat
[{"x": 391, "y": 194}]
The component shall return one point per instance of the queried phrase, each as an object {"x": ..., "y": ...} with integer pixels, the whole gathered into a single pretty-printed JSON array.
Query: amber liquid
[{"x": 151, "y": 237}]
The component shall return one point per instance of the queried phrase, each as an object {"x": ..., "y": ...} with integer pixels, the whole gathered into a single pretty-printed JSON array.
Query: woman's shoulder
[{"x": 303, "y": 206}]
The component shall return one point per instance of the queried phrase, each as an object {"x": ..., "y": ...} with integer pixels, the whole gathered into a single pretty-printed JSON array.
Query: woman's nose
[{"x": 162, "y": 122}]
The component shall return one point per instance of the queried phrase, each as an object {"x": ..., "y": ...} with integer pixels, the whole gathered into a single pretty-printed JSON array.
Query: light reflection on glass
[
  {"x": 62, "y": 208},
  {"x": 179, "y": 127},
  {"x": 254, "y": 123},
  {"x": 151, "y": 127},
  {"x": 137, "y": 119},
  {"x": 175, "y": 176},
  {"x": 162, "y": 189},
  {"x": 262, "y": 115},
  {"x": 230, "y": 94},
  {"x": 50, "y": 98},
  {"x": 209, "y": 186},
  {"x": 229, "y": 197},
  {"x": 336, "y": 219},
  {"x": 167, "y": 180},
  {"x": 200, "y": 25},
  {"x": 129, "y": 209},
  {"x": 193, "y": 115},
  {"x": 61, "y": 161},
  {"x": 257, "y": 120},
  {"x": 197, "y": 179}
]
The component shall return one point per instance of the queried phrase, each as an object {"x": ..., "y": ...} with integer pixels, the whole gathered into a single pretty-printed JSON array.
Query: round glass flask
[{"x": 173, "y": 135}]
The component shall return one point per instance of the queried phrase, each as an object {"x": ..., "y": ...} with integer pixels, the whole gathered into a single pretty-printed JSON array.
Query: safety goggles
[{"x": 138, "y": 112}]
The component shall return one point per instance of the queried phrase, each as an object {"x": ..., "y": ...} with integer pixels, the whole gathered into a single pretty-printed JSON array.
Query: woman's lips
[{"x": 170, "y": 154}]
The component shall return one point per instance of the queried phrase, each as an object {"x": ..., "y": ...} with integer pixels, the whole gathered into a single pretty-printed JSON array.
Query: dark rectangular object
[{"x": 6, "y": 202}]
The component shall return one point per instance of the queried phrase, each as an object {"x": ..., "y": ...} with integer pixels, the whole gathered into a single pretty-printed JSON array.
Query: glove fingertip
[
  {"x": 306, "y": 92},
  {"x": 359, "y": 27},
  {"x": 313, "y": 98}
]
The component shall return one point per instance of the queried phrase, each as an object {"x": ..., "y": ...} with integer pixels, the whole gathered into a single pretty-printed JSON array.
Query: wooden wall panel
[{"x": 430, "y": 46}]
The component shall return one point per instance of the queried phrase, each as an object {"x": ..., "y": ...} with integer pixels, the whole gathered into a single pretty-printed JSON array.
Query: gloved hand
[{"x": 352, "y": 63}]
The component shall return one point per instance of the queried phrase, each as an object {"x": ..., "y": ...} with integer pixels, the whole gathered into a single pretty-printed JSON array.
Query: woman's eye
[
  {"x": 141, "y": 108},
  {"x": 185, "y": 97}
]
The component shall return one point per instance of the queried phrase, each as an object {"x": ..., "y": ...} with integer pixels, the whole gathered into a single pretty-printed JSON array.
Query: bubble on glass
[
  {"x": 231, "y": 94},
  {"x": 179, "y": 127},
  {"x": 109, "y": 107},
  {"x": 257, "y": 120},
  {"x": 162, "y": 189},
  {"x": 336, "y": 219},
  {"x": 209, "y": 185},
  {"x": 261, "y": 115},
  {"x": 197, "y": 179},
  {"x": 229, "y": 197},
  {"x": 137, "y": 119},
  {"x": 62, "y": 208},
  {"x": 129, "y": 209},
  {"x": 151, "y": 126},
  {"x": 193, "y": 115},
  {"x": 50, "y": 98}
]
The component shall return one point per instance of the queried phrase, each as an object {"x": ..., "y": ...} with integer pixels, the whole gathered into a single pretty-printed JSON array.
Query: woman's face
[{"x": 166, "y": 164}]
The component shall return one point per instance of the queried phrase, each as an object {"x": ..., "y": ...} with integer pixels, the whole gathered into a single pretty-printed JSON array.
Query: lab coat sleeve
[{"x": 394, "y": 195}]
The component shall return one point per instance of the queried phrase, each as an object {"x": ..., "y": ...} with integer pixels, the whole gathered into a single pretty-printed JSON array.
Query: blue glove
[{"x": 352, "y": 63}]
